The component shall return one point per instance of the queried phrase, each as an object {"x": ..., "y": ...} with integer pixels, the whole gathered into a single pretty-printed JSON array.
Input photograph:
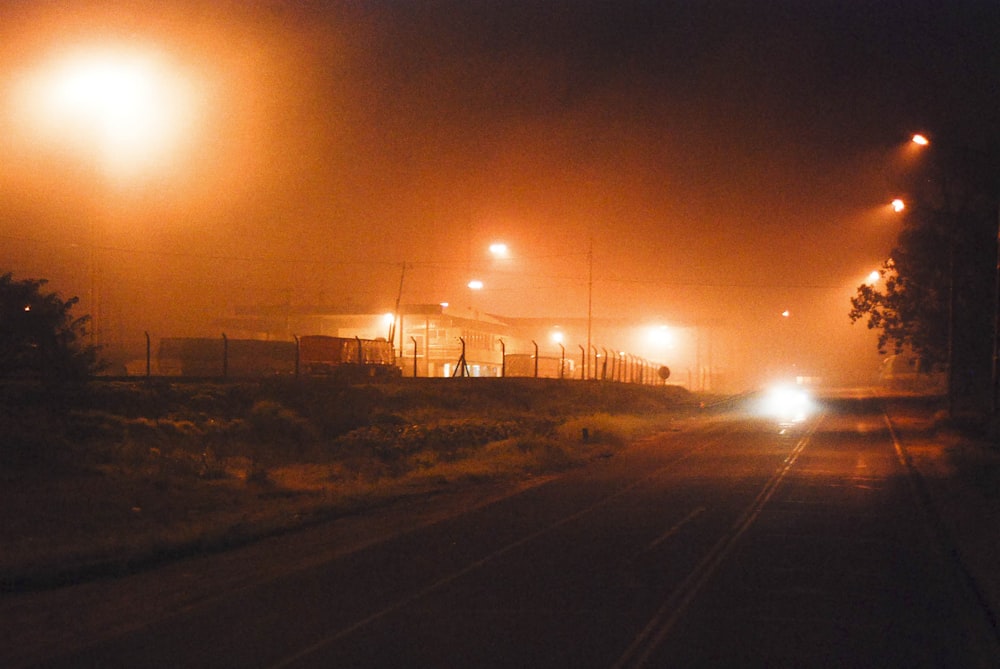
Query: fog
[{"x": 701, "y": 164}]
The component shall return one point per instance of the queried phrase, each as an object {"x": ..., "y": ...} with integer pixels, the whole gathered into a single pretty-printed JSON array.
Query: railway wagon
[
  {"x": 208, "y": 357},
  {"x": 322, "y": 354}
]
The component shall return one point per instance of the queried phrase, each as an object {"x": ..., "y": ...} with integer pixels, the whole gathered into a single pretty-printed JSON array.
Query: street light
[
  {"x": 898, "y": 205},
  {"x": 123, "y": 110},
  {"x": 126, "y": 108},
  {"x": 921, "y": 140}
]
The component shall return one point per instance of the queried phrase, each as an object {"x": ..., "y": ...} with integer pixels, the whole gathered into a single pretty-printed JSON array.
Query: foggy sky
[{"x": 727, "y": 159}]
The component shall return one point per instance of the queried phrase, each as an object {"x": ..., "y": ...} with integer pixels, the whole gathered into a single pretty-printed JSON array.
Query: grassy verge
[{"x": 113, "y": 477}]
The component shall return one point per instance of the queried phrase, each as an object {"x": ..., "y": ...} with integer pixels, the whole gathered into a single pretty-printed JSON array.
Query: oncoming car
[{"x": 788, "y": 404}]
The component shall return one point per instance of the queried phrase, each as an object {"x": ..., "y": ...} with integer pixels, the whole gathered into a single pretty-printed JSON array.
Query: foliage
[
  {"x": 39, "y": 337},
  {"x": 936, "y": 295}
]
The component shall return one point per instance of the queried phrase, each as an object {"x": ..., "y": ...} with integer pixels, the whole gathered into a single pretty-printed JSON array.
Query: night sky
[{"x": 726, "y": 160}]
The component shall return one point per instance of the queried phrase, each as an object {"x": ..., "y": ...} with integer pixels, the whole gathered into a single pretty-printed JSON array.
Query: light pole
[
  {"x": 123, "y": 110},
  {"x": 921, "y": 140},
  {"x": 590, "y": 300}
]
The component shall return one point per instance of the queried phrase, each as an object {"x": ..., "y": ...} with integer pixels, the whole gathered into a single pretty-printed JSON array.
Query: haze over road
[{"x": 726, "y": 542}]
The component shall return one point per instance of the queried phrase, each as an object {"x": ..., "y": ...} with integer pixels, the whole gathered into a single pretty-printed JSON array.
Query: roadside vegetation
[{"x": 102, "y": 476}]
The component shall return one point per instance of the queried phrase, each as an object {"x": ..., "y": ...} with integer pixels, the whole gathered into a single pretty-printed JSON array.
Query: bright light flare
[
  {"x": 499, "y": 250},
  {"x": 874, "y": 277},
  {"x": 661, "y": 336},
  {"x": 787, "y": 404},
  {"x": 475, "y": 284},
  {"x": 388, "y": 318},
  {"x": 920, "y": 140},
  {"x": 898, "y": 205},
  {"x": 129, "y": 106},
  {"x": 557, "y": 337}
]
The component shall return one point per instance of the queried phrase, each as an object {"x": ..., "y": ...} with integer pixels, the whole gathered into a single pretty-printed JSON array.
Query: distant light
[
  {"x": 874, "y": 276},
  {"x": 920, "y": 140},
  {"x": 475, "y": 284},
  {"x": 661, "y": 335},
  {"x": 557, "y": 337},
  {"x": 786, "y": 313},
  {"x": 898, "y": 205},
  {"x": 27, "y": 307},
  {"x": 499, "y": 250},
  {"x": 444, "y": 305},
  {"x": 388, "y": 318},
  {"x": 131, "y": 106}
]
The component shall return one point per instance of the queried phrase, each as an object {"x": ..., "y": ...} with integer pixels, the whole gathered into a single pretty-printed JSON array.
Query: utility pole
[{"x": 590, "y": 304}]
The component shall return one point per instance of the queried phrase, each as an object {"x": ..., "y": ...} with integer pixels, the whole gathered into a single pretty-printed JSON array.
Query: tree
[
  {"x": 39, "y": 337},
  {"x": 936, "y": 296}
]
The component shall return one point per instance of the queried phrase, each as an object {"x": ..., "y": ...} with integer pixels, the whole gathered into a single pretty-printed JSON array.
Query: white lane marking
[
  {"x": 454, "y": 576},
  {"x": 652, "y": 635},
  {"x": 673, "y": 530}
]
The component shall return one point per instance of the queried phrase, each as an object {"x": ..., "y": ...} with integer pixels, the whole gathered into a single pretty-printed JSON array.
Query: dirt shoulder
[{"x": 959, "y": 477}]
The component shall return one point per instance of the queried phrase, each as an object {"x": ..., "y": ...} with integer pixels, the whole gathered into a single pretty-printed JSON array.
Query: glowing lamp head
[
  {"x": 127, "y": 105},
  {"x": 920, "y": 140},
  {"x": 898, "y": 205},
  {"x": 475, "y": 284}
]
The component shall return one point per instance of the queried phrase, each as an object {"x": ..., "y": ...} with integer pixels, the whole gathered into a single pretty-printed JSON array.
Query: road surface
[{"x": 729, "y": 541}]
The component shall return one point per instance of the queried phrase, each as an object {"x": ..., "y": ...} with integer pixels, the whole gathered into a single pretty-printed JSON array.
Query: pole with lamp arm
[{"x": 922, "y": 141}]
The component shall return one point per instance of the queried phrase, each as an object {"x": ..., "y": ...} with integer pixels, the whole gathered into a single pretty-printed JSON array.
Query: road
[{"x": 727, "y": 542}]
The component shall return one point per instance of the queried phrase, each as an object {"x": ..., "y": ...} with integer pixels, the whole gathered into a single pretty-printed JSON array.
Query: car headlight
[{"x": 787, "y": 404}]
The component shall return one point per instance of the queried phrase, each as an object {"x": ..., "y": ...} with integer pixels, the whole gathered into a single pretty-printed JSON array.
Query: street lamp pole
[
  {"x": 995, "y": 394},
  {"x": 590, "y": 302},
  {"x": 922, "y": 140}
]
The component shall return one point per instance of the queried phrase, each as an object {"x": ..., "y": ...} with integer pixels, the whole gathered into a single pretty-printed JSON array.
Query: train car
[
  {"x": 237, "y": 358},
  {"x": 348, "y": 357}
]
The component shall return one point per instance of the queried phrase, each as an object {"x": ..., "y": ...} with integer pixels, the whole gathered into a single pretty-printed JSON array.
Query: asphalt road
[{"x": 729, "y": 542}]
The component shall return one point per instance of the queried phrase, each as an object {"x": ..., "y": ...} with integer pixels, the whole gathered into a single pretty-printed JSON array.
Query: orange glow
[
  {"x": 898, "y": 205},
  {"x": 660, "y": 336},
  {"x": 920, "y": 140},
  {"x": 126, "y": 108},
  {"x": 475, "y": 284}
]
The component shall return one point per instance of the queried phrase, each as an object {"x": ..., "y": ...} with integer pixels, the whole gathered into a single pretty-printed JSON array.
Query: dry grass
[{"x": 133, "y": 479}]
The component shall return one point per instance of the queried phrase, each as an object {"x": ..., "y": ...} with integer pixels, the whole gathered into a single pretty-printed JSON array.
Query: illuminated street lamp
[
  {"x": 125, "y": 110},
  {"x": 922, "y": 141},
  {"x": 898, "y": 205}
]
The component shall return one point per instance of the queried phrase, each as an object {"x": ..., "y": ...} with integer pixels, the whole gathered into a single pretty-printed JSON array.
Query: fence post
[
  {"x": 297, "y": 354},
  {"x": 503, "y": 358},
  {"x": 414, "y": 340}
]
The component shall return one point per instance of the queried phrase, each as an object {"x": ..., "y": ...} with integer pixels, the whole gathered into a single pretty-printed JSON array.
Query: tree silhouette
[
  {"x": 39, "y": 337},
  {"x": 936, "y": 296}
]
